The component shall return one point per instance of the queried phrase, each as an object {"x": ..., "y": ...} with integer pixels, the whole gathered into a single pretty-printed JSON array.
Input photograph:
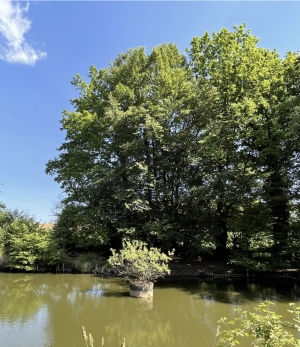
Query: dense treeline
[
  {"x": 25, "y": 244},
  {"x": 197, "y": 152}
]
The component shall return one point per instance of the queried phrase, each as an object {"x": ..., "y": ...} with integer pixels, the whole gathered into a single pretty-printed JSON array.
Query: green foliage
[
  {"x": 138, "y": 263},
  {"x": 246, "y": 145},
  {"x": 124, "y": 159},
  {"x": 199, "y": 153},
  {"x": 26, "y": 243},
  {"x": 263, "y": 326},
  {"x": 79, "y": 228}
]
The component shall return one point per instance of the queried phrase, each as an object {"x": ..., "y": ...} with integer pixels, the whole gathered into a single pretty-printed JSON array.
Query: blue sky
[{"x": 44, "y": 44}]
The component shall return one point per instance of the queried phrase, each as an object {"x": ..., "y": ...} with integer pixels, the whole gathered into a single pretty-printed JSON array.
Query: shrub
[
  {"x": 264, "y": 326},
  {"x": 25, "y": 243},
  {"x": 138, "y": 263}
]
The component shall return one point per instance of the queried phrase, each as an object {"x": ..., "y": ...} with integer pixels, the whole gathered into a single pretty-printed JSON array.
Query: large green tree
[
  {"x": 127, "y": 155},
  {"x": 247, "y": 146},
  {"x": 193, "y": 153}
]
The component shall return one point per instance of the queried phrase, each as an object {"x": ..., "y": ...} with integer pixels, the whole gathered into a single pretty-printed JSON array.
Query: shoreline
[{"x": 196, "y": 269}]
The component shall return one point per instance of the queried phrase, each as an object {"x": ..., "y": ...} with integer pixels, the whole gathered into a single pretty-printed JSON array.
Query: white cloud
[{"x": 13, "y": 26}]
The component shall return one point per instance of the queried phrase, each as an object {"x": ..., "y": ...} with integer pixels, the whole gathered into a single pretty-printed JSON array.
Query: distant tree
[{"x": 25, "y": 242}]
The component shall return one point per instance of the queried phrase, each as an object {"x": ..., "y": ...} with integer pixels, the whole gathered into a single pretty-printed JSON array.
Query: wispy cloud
[{"x": 13, "y": 26}]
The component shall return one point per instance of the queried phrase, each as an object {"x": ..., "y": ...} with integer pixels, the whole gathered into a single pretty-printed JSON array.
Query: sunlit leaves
[
  {"x": 25, "y": 242},
  {"x": 263, "y": 326},
  {"x": 139, "y": 263}
]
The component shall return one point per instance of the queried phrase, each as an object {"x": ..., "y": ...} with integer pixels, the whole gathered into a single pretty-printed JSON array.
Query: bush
[
  {"x": 264, "y": 326},
  {"x": 138, "y": 263},
  {"x": 25, "y": 243}
]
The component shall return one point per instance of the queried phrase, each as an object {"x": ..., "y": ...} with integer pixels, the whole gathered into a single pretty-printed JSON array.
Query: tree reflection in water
[
  {"x": 19, "y": 299},
  {"x": 145, "y": 328},
  {"x": 181, "y": 311}
]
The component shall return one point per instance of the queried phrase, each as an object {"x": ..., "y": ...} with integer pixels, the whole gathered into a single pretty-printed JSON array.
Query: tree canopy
[{"x": 197, "y": 152}]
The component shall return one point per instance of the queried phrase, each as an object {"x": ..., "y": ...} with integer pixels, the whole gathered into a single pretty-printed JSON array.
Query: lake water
[{"x": 48, "y": 310}]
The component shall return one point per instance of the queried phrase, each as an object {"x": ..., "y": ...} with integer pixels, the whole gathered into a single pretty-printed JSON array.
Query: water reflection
[
  {"x": 48, "y": 309},
  {"x": 146, "y": 303},
  {"x": 142, "y": 327},
  {"x": 26, "y": 332},
  {"x": 237, "y": 292},
  {"x": 19, "y": 299},
  {"x": 23, "y": 315}
]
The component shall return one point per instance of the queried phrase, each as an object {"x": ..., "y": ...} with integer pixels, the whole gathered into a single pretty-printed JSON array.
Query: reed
[
  {"x": 84, "y": 335},
  {"x": 89, "y": 341}
]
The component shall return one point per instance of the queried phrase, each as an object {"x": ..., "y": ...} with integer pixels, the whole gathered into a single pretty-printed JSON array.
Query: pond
[{"x": 49, "y": 309}]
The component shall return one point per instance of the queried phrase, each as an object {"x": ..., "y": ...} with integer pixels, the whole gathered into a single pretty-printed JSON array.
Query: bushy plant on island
[{"x": 139, "y": 264}]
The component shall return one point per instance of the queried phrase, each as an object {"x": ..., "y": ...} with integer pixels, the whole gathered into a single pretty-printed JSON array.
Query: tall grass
[{"x": 89, "y": 341}]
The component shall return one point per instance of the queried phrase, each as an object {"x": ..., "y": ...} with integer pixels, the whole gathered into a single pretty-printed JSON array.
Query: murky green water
[{"x": 49, "y": 310}]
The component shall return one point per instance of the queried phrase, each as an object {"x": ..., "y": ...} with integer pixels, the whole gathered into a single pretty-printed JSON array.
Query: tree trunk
[
  {"x": 222, "y": 236},
  {"x": 278, "y": 204}
]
